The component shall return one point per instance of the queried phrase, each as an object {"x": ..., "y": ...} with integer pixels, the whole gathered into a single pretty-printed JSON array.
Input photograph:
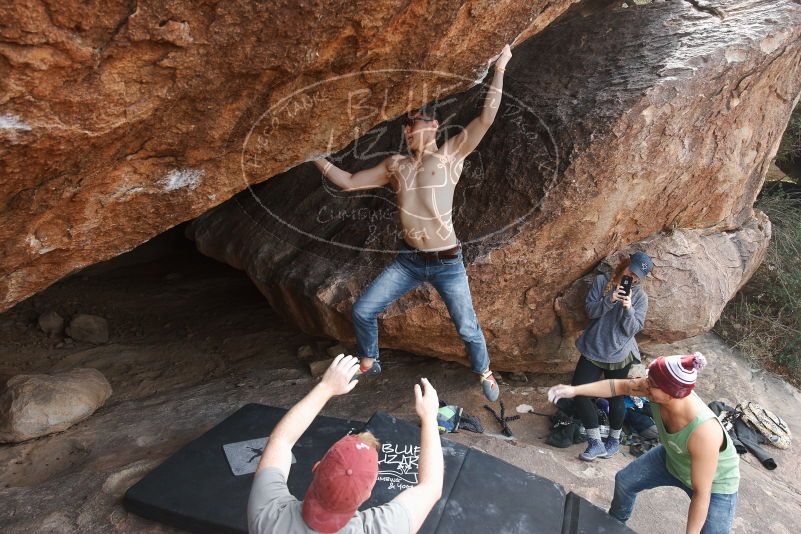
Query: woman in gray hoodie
[{"x": 608, "y": 346}]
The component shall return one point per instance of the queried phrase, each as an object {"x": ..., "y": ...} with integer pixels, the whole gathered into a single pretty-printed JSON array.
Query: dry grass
[
  {"x": 790, "y": 147},
  {"x": 763, "y": 321}
]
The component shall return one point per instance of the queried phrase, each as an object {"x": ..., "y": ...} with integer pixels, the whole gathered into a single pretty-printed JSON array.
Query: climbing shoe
[
  {"x": 489, "y": 385},
  {"x": 595, "y": 449},
  {"x": 366, "y": 371}
]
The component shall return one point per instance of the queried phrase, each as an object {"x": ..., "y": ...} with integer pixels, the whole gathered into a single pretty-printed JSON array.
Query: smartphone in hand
[{"x": 625, "y": 283}]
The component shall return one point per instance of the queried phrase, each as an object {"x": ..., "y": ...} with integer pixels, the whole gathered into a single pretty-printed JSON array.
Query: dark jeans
[
  {"x": 409, "y": 270},
  {"x": 587, "y": 372}
]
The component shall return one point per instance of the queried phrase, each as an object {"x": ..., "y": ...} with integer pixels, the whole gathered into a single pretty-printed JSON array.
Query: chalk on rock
[
  {"x": 91, "y": 328},
  {"x": 524, "y": 408},
  {"x": 51, "y": 323},
  {"x": 37, "y": 405}
]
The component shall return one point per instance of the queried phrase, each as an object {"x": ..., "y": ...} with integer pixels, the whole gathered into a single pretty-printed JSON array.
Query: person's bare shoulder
[{"x": 707, "y": 437}]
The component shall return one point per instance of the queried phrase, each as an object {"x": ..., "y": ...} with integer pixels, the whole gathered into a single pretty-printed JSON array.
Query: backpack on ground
[
  {"x": 451, "y": 418},
  {"x": 767, "y": 423},
  {"x": 564, "y": 430}
]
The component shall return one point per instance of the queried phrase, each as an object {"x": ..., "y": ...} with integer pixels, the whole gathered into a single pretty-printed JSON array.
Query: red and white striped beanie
[{"x": 676, "y": 375}]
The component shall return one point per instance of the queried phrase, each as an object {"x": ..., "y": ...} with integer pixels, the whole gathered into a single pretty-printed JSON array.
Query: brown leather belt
[{"x": 447, "y": 254}]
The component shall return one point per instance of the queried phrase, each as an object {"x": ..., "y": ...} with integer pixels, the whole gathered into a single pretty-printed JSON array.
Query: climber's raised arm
[
  {"x": 366, "y": 179},
  {"x": 468, "y": 139}
]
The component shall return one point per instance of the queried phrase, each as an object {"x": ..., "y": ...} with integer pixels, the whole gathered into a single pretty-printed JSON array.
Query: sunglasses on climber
[{"x": 409, "y": 120}]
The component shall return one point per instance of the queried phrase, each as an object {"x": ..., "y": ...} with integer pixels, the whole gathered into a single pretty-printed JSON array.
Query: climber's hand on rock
[
  {"x": 561, "y": 392},
  {"x": 503, "y": 59}
]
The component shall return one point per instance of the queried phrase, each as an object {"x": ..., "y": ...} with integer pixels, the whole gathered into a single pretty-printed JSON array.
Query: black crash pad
[
  {"x": 482, "y": 493},
  {"x": 583, "y": 517},
  {"x": 398, "y": 468},
  {"x": 195, "y": 489}
]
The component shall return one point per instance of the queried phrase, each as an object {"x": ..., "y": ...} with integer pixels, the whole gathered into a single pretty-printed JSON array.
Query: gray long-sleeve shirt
[{"x": 610, "y": 335}]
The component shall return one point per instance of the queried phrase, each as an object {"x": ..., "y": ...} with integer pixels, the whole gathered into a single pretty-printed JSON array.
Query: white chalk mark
[
  {"x": 37, "y": 246},
  {"x": 481, "y": 75},
  {"x": 180, "y": 178},
  {"x": 12, "y": 122},
  {"x": 524, "y": 408}
]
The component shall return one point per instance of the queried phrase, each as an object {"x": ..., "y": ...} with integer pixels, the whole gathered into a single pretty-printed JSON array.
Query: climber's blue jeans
[
  {"x": 650, "y": 471},
  {"x": 405, "y": 273}
]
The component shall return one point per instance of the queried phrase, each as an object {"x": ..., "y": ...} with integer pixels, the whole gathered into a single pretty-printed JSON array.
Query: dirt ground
[{"x": 192, "y": 340}]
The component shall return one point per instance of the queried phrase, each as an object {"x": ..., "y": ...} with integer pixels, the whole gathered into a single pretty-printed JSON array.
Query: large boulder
[
  {"x": 121, "y": 119},
  {"x": 37, "y": 405},
  {"x": 695, "y": 274},
  {"x": 617, "y": 124}
]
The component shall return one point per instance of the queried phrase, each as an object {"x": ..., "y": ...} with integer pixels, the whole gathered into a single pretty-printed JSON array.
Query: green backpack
[{"x": 451, "y": 418}]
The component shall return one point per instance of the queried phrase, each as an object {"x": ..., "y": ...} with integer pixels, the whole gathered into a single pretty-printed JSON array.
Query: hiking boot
[
  {"x": 373, "y": 370},
  {"x": 595, "y": 449},
  {"x": 489, "y": 385},
  {"x": 612, "y": 446}
]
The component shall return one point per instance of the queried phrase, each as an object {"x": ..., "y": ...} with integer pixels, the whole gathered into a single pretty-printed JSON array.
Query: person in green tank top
[{"x": 695, "y": 453}]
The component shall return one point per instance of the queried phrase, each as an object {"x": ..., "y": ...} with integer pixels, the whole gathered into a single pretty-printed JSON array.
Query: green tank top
[{"x": 727, "y": 476}]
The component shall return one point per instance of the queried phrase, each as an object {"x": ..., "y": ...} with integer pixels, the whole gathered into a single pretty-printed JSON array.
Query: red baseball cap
[{"x": 343, "y": 480}]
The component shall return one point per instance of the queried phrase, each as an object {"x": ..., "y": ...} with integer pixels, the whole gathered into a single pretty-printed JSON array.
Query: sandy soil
[{"x": 192, "y": 341}]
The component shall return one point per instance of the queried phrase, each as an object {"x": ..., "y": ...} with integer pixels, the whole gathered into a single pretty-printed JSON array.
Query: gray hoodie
[{"x": 610, "y": 335}]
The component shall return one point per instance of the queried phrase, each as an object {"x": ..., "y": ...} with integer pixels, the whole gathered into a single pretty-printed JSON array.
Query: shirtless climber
[{"x": 424, "y": 182}]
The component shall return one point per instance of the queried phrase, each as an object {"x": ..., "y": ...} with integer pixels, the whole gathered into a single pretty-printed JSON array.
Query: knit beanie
[{"x": 676, "y": 375}]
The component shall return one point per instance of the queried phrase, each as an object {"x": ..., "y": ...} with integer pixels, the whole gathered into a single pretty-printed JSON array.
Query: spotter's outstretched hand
[
  {"x": 338, "y": 377},
  {"x": 426, "y": 400}
]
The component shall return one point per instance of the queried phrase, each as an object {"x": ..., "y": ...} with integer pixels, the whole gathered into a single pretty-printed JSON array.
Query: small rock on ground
[{"x": 91, "y": 328}]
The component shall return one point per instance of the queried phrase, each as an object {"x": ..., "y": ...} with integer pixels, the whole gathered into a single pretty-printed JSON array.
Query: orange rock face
[
  {"x": 618, "y": 124},
  {"x": 695, "y": 274},
  {"x": 120, "y": 119}
]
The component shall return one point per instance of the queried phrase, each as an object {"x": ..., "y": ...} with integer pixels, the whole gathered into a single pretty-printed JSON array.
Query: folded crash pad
[{"x": 197, "y": 489}]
